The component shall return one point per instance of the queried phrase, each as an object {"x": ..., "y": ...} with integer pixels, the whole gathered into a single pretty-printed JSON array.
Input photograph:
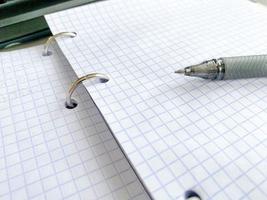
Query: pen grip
[{"x": 245, "y": 67}]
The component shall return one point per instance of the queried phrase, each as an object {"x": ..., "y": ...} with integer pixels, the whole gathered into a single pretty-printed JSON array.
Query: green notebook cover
[{"x": 22, "y": 20}]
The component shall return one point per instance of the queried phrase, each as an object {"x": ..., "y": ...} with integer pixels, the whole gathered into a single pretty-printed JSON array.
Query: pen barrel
[{"x": 245, "y": 67}]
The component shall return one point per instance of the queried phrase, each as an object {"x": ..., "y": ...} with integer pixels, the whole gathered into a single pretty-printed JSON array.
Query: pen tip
[{"x": 179, "y": 71}]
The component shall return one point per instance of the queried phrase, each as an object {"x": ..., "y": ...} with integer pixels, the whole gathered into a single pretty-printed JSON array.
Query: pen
[{"x": 226, "y": 68}]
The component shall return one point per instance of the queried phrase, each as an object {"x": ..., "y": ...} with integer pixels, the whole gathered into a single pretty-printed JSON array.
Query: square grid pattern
[
  {"x": 48, "y": 151},
  {"x": 179, "y": 133}
]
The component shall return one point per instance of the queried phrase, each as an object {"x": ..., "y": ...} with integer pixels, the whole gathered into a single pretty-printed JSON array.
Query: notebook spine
[{"x": 48, "y": 42}]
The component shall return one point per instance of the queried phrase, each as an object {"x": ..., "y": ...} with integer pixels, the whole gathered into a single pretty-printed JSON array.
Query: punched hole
[
  {"x": 73, "y": 104},
  {"x": 48, "y": 53},
  {"x": 103, "y": 80},
  {"x": 191, "y": 195}
]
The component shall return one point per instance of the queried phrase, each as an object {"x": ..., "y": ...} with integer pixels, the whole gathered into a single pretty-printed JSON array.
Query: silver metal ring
[
  {"x": 221, "y": 69},
  {"x": 72, "y": 103},
  {"x": 46, "y": 51}
]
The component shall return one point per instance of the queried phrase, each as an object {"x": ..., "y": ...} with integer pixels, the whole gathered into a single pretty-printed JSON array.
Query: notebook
[
  {"x": 180, "y": 134},
  {"x": 48, "y": 151}
]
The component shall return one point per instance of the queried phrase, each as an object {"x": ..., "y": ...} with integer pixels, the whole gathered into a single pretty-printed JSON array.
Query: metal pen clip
[
  {"x": 72, "y": 103},
  {"x": 46, "y": 51}
]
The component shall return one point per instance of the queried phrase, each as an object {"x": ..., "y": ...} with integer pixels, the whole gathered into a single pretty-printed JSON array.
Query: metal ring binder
[
  {"x": 72, "y": 103},
  {"x": 46, "y": 52}
]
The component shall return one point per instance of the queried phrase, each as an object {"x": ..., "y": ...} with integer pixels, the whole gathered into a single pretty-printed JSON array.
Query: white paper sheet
[
  {"x": 48, "y": 151},
  {"x": 179, "y": 133}
]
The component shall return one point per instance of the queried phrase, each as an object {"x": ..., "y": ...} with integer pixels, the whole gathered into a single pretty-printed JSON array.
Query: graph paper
[
  {"x": 48, "y": 151},
  {"x": 179, "y": 133}
]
